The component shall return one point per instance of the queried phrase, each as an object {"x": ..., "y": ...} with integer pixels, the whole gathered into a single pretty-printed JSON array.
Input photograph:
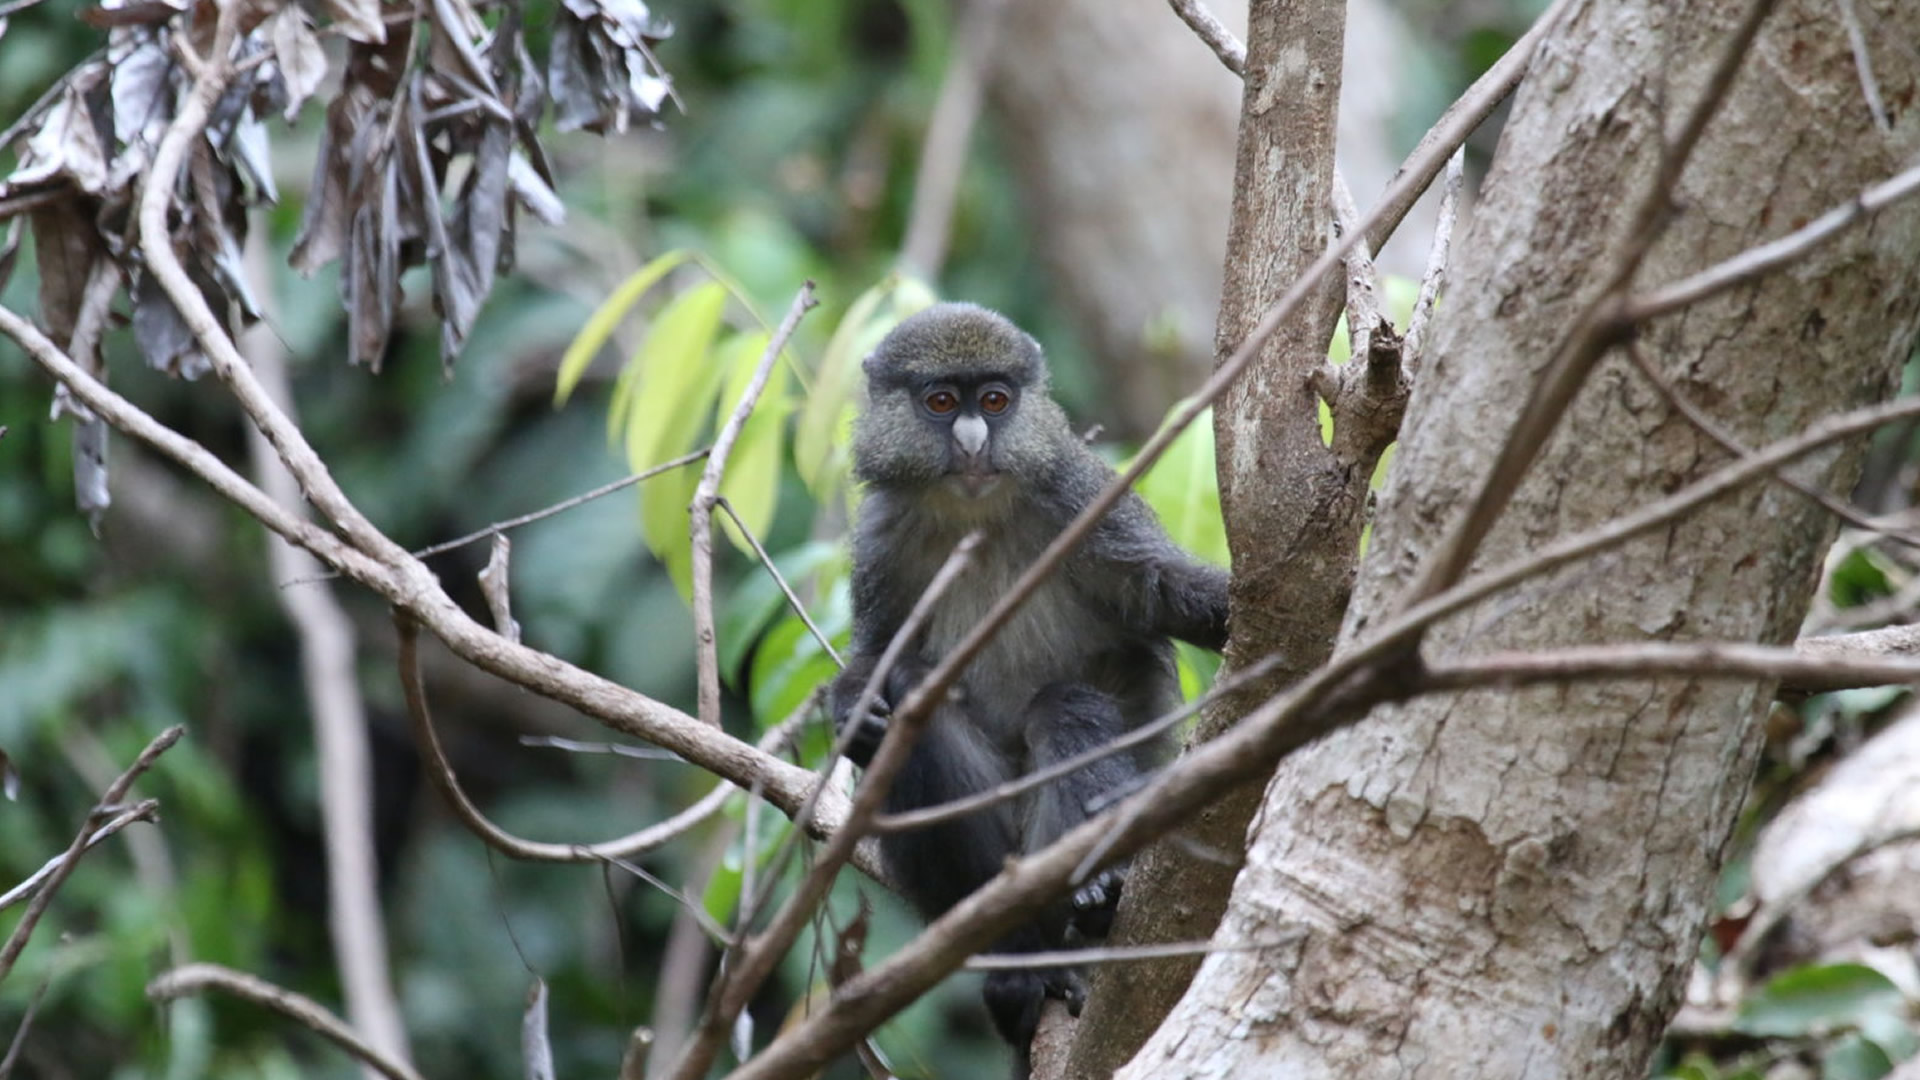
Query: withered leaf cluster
[{"x": 428, "y": 152}]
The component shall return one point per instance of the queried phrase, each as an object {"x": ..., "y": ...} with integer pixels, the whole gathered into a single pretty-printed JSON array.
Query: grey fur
[{"x": 1087, "y": 657}]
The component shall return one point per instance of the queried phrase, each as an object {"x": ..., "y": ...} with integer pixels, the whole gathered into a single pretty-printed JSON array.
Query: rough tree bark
[
  {"x": 1293, "y": 543},
  {"x": 1514, "y": 884}
]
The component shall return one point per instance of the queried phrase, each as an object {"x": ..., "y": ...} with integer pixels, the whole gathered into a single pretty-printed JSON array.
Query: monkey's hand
[
  {"x": 871, "y": 725},
  {"x": 1095, "y": 902}
]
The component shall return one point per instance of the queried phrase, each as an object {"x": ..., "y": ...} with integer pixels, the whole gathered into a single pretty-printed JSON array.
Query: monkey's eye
[
  {"x": 995, "y": 400},
  {"x": 942, "y": 402}
]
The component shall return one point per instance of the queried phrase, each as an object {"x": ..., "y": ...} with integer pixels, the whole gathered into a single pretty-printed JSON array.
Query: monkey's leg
[{"x": 1065, "y": 720}]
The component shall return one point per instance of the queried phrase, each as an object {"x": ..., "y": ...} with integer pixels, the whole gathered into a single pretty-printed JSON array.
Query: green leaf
[
  {"x": 753, "y": 604},
  {"x": 1854, "y": 1058},
  {"x": 1892, "y": 1032},
  {"x": 820, "y": 440},
  {"x": 678, "y": 378},
  {"x": 663, "y": 524},
  {"x": 599, "y": 326},
  {"x": 1183, "y": 488},
  {"x": 787, "y": 667},
  {"x": 751, "y": 484},
  {"x": 1809, "y": 999}
]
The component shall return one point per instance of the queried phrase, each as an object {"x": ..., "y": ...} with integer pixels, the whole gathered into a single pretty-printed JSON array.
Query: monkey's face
[{"x": 956, "y": 402}]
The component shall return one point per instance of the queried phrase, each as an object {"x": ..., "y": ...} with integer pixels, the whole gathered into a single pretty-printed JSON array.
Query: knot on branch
[{"x": 1368, "y": 395}]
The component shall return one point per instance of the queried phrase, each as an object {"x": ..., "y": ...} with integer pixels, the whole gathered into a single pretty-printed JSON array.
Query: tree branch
[
  {"x": 115, "y": 794},
  {"x": 700, "y": 511},
  {"x": 308, "y": 1013}
]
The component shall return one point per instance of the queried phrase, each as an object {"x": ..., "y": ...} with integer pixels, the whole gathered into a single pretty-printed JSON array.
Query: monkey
[{"x": 960, "y": 433}]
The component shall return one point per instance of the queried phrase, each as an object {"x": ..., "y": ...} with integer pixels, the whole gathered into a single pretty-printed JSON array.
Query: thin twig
[
  {"x": 1460, "y": 120},
  {"x": 1863, "y": 62},
  {"x": 562, "y": 506},
  {"x": 1121, "y": 954},
  {"x": 1413, "y": 346},
  {"x": 1786, "y": 665},
  {"x": 1756, "y": 261},
  {"x": 1725, "y": 439},
  {"x": 700, "y": 512},
  {"x": 541, "y": 514},
  {"x": 19, "y": 1042},
  {"x": 754, "y": 960},
  {"x": 999, "y": 793},
  {"x": 1363, "y": 283},
  {"x": 1211, "y": 30},
  {"x": 196, "y": 978},
  {"x": 793, "y": 599},
  {"x": 440, "y": 770},
  {"x": 1593, "y": 332},
  {"x": 144, "y": 810},
  {"x": 115, "y": 794}
]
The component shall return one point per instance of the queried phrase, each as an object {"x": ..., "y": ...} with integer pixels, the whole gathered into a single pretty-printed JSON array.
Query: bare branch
[
  {"x": 786, "y": 590},
  {"x": 701, "y": 510},
  {"x": 1231, "y": 51},
  {"x": 1436, "y": 273},
  {"x": 130, "y": 418},
  {"x": 1460, "y": 120},
  {"x": 196, "y": 978},
  {"x": 999, "y": 793},
  {"x": 144, "y": 810},
  {"x": 1121, "y": 954},
  {"x": 1363, "y": 284},
  {"x": 754, "y": 960},
  {"x": 338, "y": 715},
  {"x": 1822, "y": 669},
  {"x": 1863, "y": 62},
  {"x": 110, "y": 801},
  {"x": 440, "y": 770},
  {"x": 1754, "y": 262}
]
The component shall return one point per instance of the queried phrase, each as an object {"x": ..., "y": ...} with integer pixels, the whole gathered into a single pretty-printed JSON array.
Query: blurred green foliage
[{"x": 794, "y": 159}]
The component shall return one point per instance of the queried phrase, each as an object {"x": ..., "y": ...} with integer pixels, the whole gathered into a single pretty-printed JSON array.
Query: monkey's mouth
[{"x": 976, "y": 482}]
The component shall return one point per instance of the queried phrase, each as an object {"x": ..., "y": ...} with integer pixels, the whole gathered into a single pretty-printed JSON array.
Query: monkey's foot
[
  {"x": 1065, "y": 984},
  {"x": 1095, "y": 902}
]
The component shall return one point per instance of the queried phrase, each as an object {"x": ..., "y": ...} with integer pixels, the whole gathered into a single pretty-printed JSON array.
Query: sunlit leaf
[
  {"x": 600, "y": 325},
  {"x": 819, "y": 440},
  {"x": 754, "y": 601},
  {"x": 678, "y": 378},
  {"x": 1184, "y": 490},
  {"x": 751, "y": 484}
]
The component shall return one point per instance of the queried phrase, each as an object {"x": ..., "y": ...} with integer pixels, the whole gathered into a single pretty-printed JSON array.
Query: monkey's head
[{"x": 957, "y": 398}]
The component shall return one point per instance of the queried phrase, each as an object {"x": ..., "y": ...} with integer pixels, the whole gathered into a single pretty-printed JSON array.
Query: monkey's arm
[{"x": 1155, "y": 587}]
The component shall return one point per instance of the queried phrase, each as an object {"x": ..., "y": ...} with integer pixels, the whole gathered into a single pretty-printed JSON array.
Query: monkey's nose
[{"x": 970, "y": 434}]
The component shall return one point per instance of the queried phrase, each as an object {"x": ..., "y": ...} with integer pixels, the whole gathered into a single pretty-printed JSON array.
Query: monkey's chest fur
[{"x": 1065, "y": 632}]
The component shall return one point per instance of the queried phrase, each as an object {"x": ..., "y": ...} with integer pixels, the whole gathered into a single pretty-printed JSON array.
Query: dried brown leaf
[
  {"x": 66, "y": 246},
  {"x": 298, "y": 54},
  {"x": 359, "y": 20},
  {"x": 162, "y": 335}
]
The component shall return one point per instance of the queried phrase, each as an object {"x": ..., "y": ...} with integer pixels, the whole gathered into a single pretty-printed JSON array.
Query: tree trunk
[
  {"x": 1266, "y": 427},
  {"x": 1513, "y": 883}
]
